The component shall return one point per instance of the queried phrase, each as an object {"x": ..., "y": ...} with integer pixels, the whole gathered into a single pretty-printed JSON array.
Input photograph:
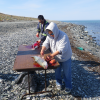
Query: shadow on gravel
[
  {"x": 8, "y": 77},
  {"x": 85, "y": 82},
  {"x": 40, "y": 80}
]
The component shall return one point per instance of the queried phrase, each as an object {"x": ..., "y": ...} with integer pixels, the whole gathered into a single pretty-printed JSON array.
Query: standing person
[
  {"x": 41, "y": 28},
  {"x": 59, "y": 44}
]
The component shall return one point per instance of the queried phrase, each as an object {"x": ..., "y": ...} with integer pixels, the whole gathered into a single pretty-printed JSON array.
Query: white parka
[{"x": 60, "y": 43}]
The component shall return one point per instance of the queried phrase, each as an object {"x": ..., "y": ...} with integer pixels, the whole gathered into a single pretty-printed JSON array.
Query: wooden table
[{"x": 24, "y": 62}]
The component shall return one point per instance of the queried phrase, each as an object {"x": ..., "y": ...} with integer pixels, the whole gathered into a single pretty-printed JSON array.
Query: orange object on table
[{"x": 36, "y": 64}]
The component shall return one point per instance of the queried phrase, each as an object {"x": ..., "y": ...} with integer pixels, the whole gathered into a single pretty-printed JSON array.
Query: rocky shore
[{"x": 85, "y": 63}]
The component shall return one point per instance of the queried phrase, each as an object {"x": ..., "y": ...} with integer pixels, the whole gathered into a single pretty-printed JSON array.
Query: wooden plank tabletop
[{"x": 24, "y": 60}]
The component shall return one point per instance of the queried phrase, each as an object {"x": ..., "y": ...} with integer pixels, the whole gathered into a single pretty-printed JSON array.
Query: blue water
[{"x": 92, "y": 26}]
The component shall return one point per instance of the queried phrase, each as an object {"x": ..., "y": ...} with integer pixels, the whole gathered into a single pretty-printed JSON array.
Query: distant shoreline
[{"x": 92, "y": 26}]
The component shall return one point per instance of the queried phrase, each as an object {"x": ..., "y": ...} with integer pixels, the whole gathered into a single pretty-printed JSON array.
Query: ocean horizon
[{"x": 92, "y": 26}]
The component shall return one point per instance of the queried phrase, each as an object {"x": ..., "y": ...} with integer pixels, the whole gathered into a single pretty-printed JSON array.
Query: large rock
[{"x": 33, "y": 84}]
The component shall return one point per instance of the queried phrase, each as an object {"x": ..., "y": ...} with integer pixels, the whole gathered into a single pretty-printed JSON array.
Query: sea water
[{"x": 92, "y": 26}]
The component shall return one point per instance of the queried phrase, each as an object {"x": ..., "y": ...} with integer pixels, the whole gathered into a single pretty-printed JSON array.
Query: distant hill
[{"x": 10, "y": 18}]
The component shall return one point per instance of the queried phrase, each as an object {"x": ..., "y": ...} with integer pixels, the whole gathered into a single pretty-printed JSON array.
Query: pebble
[
  {"x": 1, "y": 80},
  {"x": 73, "y": 58},
  {"x": 28, "y": 98}
]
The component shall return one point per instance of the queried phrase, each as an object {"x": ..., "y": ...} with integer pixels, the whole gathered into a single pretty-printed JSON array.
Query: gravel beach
[{"x": 85, "y": 63}]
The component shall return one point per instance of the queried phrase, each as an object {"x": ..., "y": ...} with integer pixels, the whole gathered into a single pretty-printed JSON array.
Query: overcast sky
[{"x": 53, "y": 9}]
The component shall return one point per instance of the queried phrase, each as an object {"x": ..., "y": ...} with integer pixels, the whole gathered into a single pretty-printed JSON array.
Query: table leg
[
  {"x": 36, "y": 92},
  {"x": 45, "y": 80},
  {"x": 28, "y": 83}
]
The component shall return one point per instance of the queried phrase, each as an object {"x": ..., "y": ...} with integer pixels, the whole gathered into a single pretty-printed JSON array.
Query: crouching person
[{"x": 59, "y": 44}]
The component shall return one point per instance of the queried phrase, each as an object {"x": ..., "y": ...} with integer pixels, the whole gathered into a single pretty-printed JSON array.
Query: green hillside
[{"x": 10, "y": 18}]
